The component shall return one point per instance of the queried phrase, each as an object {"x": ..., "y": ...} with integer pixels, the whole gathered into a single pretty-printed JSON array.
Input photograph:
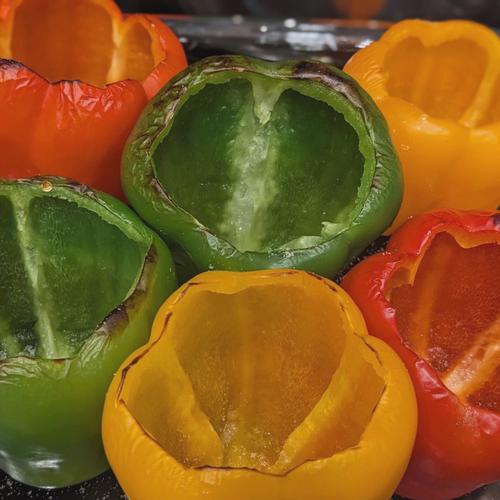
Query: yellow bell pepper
[
  {"x": 438, "y": 86},
  {"x": 261, "y": 385}
]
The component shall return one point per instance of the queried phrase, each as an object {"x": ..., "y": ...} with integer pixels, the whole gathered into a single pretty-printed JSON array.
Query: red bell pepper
[
  {"x": 434, "y": 297},
  {"x": 74, "y": 77}
]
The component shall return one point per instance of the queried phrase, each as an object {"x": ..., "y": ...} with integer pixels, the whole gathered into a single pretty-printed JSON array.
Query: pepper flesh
[
  {"x": 438, "y": 86},
  {"x": 260, "y": 385},
  {"x": 261, "y": 165},
  {"x": 70, "y": 312},
  {"x": 74, "y": 77},
  {"x": 433, "y": 296}
]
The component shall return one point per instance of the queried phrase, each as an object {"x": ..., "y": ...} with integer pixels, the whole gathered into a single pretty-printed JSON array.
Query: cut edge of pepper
[
  {"x": 345, "y": 97},
  {"x": 87, "y": 199}
]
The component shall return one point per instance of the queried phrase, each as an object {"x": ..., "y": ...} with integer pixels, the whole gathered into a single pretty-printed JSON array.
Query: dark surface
[{"x": 103, "y": 487}]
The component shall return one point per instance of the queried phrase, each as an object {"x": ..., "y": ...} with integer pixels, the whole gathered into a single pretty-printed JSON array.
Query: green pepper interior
[
  {"x": 262, "y": 165},
  {"x": 63, "y": 269}
]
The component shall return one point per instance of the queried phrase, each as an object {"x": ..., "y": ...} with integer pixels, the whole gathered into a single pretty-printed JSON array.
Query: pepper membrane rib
[{"x": 47, "y": 345}]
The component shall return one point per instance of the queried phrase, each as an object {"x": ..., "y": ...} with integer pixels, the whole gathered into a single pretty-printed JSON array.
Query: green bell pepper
[
  {"x": 81, "y": 278},
  {"x": 244, "y": 164}
]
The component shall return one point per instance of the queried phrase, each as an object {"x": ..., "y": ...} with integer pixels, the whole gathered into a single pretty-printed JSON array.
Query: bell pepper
[
  {"x": 81, "y": 278},
  {"x": 260, "y": 385},
  {"x": 243, "y": 165},
  {"x": 74, "y": 77},
  {"x": 438, "y": 86},
  {"x": 434, "y": 297}
]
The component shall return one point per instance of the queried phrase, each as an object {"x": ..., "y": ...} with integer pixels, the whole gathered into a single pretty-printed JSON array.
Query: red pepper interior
[
  {"x": 450, "y": 316},
  {"x": 78, "y": 40}
]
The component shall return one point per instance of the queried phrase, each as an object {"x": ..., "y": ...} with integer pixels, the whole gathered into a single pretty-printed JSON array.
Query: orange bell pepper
[
  {"x": 74, "y": 77},
  {"x": 260, "y": 385},
  {"x": 438, "y": 86}
]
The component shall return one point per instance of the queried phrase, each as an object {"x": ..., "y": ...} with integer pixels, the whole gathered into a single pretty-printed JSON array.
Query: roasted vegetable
[
  {"x": 74, "y": 77},
  {"x": 438, "y": 86},
  {"x": 245, "y": 164},
  {"x": 434, "y": 298},
  {"x": 81, "y": 279},
  {"x": 260, "y": 385}
]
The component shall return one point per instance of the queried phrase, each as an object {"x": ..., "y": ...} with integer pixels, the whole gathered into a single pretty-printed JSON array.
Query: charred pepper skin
[
  {"x": 50, "y": 412},
  {"x": 378, "y": 195}
]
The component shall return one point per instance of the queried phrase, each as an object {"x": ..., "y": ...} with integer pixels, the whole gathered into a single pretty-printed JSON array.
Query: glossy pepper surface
[
  {"x": 81, "y": 279},
  {"x": 434, "y": 297},
  {"x": 245, "y": 164},
  {"x": 74, "y": 77},
  {"x": 438, "y": 86},
  {"x": 260, "y": 385}
]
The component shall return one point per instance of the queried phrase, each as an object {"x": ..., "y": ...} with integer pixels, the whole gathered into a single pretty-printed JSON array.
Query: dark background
[{"x": 486, "y": 11}]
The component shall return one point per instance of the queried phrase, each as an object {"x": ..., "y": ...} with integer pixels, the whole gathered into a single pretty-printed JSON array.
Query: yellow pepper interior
[
  {"x": 265, "y": 378},
  {"x": 442, "y": 80},
  {"x": 448, "y": 312},
  {"x": 77, "y": 40}
]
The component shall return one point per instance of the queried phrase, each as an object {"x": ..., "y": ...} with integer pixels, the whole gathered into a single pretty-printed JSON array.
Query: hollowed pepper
[
  {"x": 434, "y": 296},
  {"x": 244, "y": 164},
  {"x": 81, "y": 278},
  {"x": 260, "y": 385},
  {"x": 438, "y": 86},
  {"x": 74, "y": 77}
]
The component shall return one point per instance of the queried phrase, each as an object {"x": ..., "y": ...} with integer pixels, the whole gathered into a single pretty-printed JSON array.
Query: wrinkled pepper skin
[
  {"x": 438, "y": 86},
  {"x": 378, "y": 194},
  {"x": 51, "y": 405},
  {"x": 369, "y": 470},
  {"x": 73, "y": 127},
  {"x": 458, "y": 443}
]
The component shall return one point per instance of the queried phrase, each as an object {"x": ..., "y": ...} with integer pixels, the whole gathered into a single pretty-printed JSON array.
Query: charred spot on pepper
[
  {"x": 329, "y": 77},
  {"x": 219, "y": 63},
  {"x": 152, "y": 255},
  {"x": 158, "y": 188},
  {"x": 305, "y": 67},
  {"x": 7, "y": 64},
  {"x": 49, "y": 182},
  {"x": 175, "y": 91},
  {"x": 114, "y": 322}
]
